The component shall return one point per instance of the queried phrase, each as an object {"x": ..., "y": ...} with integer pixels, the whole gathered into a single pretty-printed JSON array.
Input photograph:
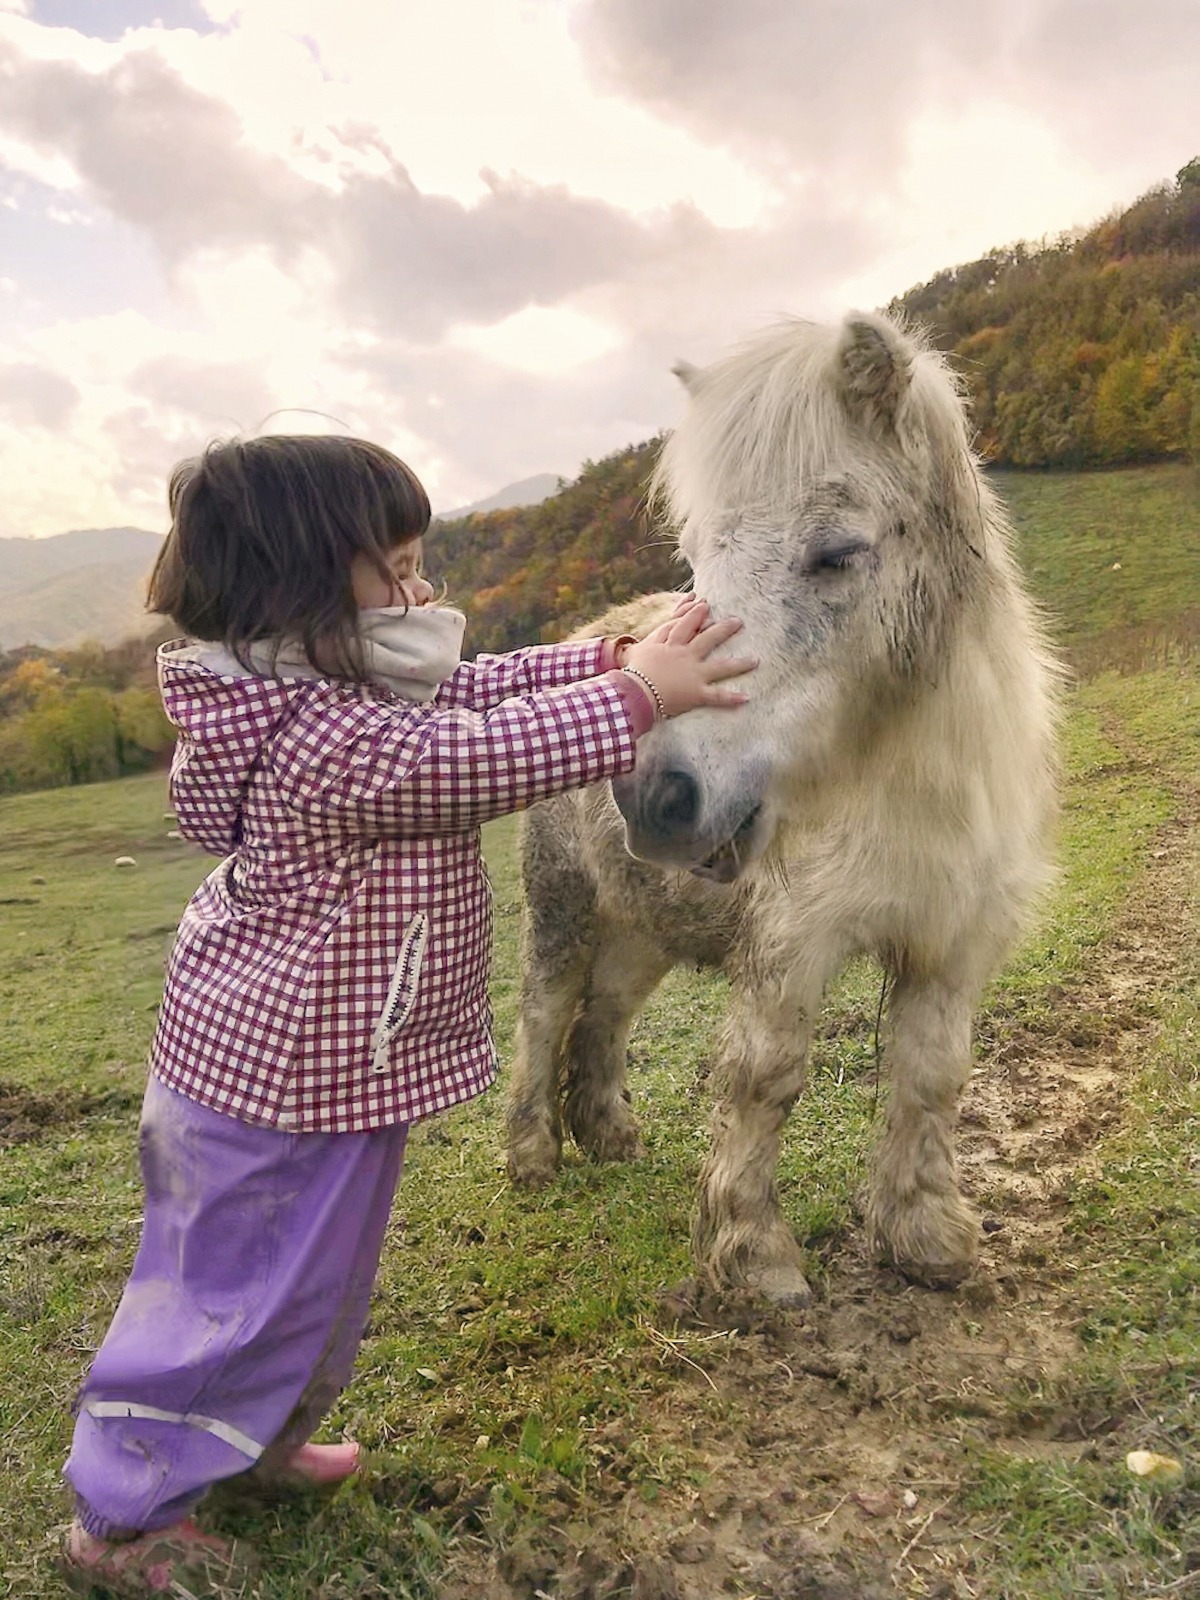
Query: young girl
[{"x": 328, "y": 985}]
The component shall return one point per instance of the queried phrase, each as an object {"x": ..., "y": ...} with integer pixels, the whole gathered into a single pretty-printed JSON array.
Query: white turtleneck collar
[{"x": 411, "y": 652}]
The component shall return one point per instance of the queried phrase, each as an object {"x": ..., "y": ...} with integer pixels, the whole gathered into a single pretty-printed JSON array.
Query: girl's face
[{"x": 407, "y": 586}]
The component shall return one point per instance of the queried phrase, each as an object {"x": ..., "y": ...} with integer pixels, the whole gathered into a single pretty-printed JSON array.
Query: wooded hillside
[
  {"x": 1086, "y": 351},
  {"x": 536, "y": 572}
]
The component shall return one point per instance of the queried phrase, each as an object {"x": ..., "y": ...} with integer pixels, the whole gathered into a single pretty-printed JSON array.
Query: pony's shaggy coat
[{"x": 890, "y": 788}]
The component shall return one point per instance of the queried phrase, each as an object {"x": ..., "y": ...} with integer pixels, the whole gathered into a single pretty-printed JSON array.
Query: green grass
[
  {"x": 1088, "y": 1527},
  {"x": 1109, "y": 553},
  {"x": 512, "y": 1372}
]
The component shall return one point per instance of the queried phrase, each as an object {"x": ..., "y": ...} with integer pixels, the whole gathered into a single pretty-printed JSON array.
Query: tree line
[
  {"x": 535, "y": 572},
  {"x": 77, "y": 716}
]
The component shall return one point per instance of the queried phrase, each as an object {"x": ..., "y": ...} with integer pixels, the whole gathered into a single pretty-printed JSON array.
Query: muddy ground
[{"x": 836, "y": 1468}]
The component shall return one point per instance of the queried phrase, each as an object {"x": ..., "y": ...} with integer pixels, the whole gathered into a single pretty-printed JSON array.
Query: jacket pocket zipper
[{"x": 402, "y": 992}]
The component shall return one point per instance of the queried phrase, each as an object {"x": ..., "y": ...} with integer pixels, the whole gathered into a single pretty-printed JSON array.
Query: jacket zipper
[{"x": 402, "y": 992}]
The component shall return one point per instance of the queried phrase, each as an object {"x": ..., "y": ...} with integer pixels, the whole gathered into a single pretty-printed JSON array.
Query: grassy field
[
  {"x": 537, "y": 1422},
  {"x": 1114, "y": 557}
]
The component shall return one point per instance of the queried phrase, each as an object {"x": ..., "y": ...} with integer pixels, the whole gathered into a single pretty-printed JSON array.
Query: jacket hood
[{"x": 224, "y": 716}]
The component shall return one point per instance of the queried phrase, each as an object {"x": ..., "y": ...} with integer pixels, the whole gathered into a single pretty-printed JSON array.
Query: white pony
[{"x": 890, "y": 788}]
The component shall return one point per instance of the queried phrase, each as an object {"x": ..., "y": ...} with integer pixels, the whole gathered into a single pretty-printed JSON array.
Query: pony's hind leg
[
  {"x": 624, "y": 972},
  {"x": 532, "y": 1114},
  {"x": 557, "y": 933},
  {"x": 916, "y": 1218}
]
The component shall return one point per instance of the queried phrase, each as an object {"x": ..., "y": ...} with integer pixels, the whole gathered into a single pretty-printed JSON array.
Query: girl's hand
[
  {"x": 623, "y": 645},
  {"x": 677, "y": 660}
]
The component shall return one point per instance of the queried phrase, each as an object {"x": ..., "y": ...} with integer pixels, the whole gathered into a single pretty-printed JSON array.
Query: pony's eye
[{"x": 838, "y": 557}]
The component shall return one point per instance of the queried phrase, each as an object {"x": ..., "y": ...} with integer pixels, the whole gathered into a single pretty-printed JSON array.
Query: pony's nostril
[{"x": 678, "y": 800}]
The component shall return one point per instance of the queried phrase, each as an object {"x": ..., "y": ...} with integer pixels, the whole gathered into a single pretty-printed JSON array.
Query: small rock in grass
[
  {"x": 37, "y": 878},
  {"x": 174, "y": 834},
  {"x": 1153, "y": 1468},
  {"x": 124, "y": 861}
]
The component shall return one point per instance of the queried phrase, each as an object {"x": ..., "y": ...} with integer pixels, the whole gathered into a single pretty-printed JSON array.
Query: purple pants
[{"x": 242, "y": 1316}]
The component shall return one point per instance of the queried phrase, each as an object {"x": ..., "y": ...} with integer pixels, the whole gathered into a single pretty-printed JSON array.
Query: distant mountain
[
  {"x": 89, "y": 584},
  {"x": 529, "y": 492}
]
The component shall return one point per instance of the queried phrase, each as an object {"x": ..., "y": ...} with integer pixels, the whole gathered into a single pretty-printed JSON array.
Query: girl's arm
[
  {"x": 427, "y": 770},
  {"x": 490, "y": 679}
]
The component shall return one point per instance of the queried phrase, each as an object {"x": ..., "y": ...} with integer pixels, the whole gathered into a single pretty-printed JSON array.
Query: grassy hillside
[{"x": 1113, "y": 556}]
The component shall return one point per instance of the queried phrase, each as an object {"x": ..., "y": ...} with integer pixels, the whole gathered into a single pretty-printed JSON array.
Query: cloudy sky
[{"x": 479, "y": 231}]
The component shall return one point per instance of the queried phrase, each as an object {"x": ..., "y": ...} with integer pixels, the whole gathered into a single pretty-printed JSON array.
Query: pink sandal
[{"x": 174, "y": 1561}]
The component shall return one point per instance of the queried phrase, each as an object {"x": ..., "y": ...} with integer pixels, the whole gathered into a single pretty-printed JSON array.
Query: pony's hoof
[
  {"x": 614, "y": 1137},
  {"x": 934, "y": 1243},
  {"x": 531, "y": 1177},
  {"x": 934, "y": 1274},
  {"x": 626, "y": 1148},
  {"x": 784, "y": 1286}
]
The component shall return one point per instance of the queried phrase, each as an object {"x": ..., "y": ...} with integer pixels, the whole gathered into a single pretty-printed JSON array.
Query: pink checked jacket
[{"x": 331, "y": 973}]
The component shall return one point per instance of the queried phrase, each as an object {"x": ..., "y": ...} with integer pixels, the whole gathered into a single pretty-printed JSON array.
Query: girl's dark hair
[{"x": 263, "y": 532}]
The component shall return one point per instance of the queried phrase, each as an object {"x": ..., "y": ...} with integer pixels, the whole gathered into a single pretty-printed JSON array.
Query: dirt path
[{"x": 833, "y": 1441}]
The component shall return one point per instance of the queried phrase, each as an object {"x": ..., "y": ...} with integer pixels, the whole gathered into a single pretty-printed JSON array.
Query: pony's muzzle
[
  {"x": 661, "y": 811},
  {"x": 665, "y": 822},
  {"x": 675, "y": 805}
]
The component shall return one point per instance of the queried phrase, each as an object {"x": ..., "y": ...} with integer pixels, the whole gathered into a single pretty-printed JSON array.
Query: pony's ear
[
  {"x": 688, "y": 375},
  {"x": 875, "y": 362}
]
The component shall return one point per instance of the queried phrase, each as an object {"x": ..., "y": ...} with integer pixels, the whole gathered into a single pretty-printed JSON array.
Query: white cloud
[
  {"x": 454, "y": 88},
  {"x": 540, "y": 339}
]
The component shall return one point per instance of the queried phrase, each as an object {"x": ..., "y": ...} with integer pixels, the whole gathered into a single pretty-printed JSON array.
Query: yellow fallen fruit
[{"x": 1154, "y": 1468}]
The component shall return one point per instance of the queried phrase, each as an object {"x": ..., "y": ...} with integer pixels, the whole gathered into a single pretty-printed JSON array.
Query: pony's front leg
[
  {"x": 916, "y": 1218},
  {"x": 740, "y": 1239}
]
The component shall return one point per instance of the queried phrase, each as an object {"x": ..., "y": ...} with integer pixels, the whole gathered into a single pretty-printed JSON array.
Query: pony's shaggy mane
[{"x": 769, "y": 418}]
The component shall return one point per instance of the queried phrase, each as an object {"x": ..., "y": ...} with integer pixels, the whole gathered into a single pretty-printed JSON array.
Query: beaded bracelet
[{"x": 660, "y": 708}]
